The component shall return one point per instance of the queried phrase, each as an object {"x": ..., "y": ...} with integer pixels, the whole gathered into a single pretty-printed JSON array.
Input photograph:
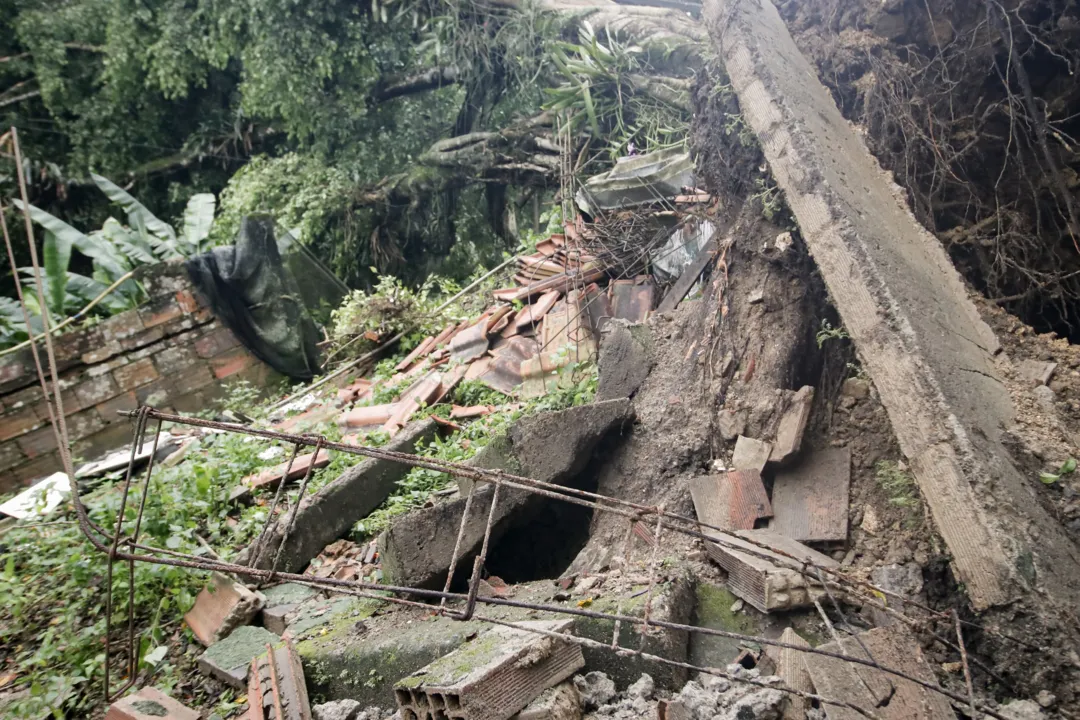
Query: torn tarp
[{"x": 250, "y": 290}]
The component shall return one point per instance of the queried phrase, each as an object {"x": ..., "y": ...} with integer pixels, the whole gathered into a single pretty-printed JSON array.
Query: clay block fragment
[
  {"x": 271, "y": 476},
  {"x": 750, "y": 454},
  {"x": 533, "y": 312},
  {"x": 421, "y": 394},
  {"x": 731, "y": 501},
  {"x": 367, "y": 416},
  {"x": 149, "y": 704},
  {"x": 221, "y": 607},
  {"x": 810, "y": 500},
  {"x": 470, "y": 343},
  {"x": 228, "y": 660},
  {"x": 891, "y": 647},
  {"x": 791, "y": 668},
  {"x": 276, "y": 687},
  {"x": 632, "y": 300},
  {"x": 764, "y": 578},
  {"x": 792, "y": 425},
  {"x": 491, "y": 677}
]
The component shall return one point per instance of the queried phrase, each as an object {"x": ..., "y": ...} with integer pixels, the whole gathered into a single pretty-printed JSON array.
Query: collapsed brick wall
[{"x": 170, "y": 352}]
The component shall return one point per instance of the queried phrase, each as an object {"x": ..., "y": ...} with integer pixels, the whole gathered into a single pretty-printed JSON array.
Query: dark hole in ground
[{"x": 542, "y": 542}]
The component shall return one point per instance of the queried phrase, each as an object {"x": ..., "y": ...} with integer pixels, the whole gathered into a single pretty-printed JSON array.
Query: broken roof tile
[
  {"x": 533, "y": 312},
  {"x": 731, "y": 501},
  {"x": 632, "y": 300},
  {"x": 366, "y": 415},
  {"x": 504, "y": 370},
  {"x": 458, "y": 412},
  {"x": 810, "y": 500},
  {"x": 470, "y": 343},
  {"x": 418, "y": 352}
]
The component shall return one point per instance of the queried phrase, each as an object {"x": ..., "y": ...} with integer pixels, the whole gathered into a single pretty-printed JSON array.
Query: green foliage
[
  {"x": 114, "y": 250},
  {"x": 827, "y": 332},
  {"x": 598, "y": 92},
  {"x": 393, "y": 308},
  {"x": 900, "y": 489},
  {"x": 1067, "y": 468}
]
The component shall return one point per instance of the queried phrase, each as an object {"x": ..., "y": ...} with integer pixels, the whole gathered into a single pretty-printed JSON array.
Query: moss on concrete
[{"x": 712, "y": 610}]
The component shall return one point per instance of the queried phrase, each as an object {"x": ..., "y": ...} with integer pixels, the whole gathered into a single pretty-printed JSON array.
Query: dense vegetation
[{"x": 406, "y": 136}]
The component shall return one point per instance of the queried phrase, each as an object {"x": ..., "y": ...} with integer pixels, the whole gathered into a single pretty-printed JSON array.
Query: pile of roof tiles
[{"x": 548, "y": 320}]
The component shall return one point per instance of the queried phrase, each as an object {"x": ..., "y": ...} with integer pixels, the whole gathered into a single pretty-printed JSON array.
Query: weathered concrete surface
[
  {"x": 624, "y": 359},
  {"x": 918, "y": 334},
  {"x": 359, "y": 655},
  {"x": 329, "y": 513},
  {"x": 551, "y": 447}
]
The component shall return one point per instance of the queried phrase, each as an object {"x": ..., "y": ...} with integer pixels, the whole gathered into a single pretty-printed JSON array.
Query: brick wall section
[{"x": 171, "y": 352}]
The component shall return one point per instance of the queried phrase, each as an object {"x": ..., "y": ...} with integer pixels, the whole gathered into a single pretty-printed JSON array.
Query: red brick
[
  {"x": 220, "y": 607},
  {"x": 231, "y": 362},
  {"x": 191, "y": 380},
  {"x": 102, "y": 352},
  {"x": 154, "y": 394},
  {"x": 159, "y": 311},
  {"x": 96, "y": 390},
  {"x": 11, "y": 455},
  {"x": 215, "y": 342},
  {"x": 18, "y": 422},
  {"x": 14, "y": 368},
  {"x": 149, "y": 704},
  {"x": 26, "y": 396},
  {"x": 142, "y": 338},
  {"x": 37, "y": 443},
  {"x": 135, "y": 374},
  {"x": 110, "y": 409},
  {"x": 37, "y": 468},
  {"x": 187, "y": 302},
  {"x": 180, "y": 355},
  {"x": 83, "y": 424},
  {"x": 121, "y": 326}
]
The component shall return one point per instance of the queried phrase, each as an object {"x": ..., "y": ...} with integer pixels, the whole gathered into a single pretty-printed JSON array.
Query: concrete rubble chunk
[
  {"x": 734, "y": 500},
  {"x": 228, "y": 660},
  {"x": 624, "y": 360},
  {"x": 789, "y": 432},
  {"x": 282, "y": 600},
  {"x": 336, "y": 710},
  {"x": 791, "y": 668},
  {"x": 221, "y": 607},
  {"x": 150, "y": 704},
  {"x": 551, "y": 447},
  {"x": 750, "y": 454},
  {"x": 493, "y": 676},
  {"x": 810, "y": 500},
  {"x": 918, "y": 334},
  {"x": 595, "y": 689},
  {"x": 892, "y": 647},
  {"x": 276, "y": 686},
  {"x": 329, "y": 513},
  {"x": 764, "y": 578},
  {"x": 558, "y": 703}
]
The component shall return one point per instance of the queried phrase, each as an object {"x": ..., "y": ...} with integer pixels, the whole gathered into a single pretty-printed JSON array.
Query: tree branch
[
  {"x": 19, "y": 98},
  {"x": 420, "y": 82}
]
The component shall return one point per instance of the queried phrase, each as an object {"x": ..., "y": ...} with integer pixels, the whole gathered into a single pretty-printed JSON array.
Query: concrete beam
[{"x": 918, "y": 334}]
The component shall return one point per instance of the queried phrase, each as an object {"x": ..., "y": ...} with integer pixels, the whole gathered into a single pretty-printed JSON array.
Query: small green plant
[
  {"x": 828, "y": 332},
  {"x": 771, "y": 198},
  {"x": 1067, "y": 468},
  {"x": 899, "y": 487}
]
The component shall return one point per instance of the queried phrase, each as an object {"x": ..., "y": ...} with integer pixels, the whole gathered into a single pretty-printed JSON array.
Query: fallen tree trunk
[{"x": 918, "y": 334}]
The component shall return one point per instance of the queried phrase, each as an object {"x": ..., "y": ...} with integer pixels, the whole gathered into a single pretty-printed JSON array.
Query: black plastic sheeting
[{"x": 251, "y": 292}]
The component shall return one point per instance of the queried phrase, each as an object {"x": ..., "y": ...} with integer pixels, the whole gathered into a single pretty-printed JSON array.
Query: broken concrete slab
[
  {"x": 221, "y": 607},
  {"x": 789, "y": 432},
  {"x": 550, "y": 447},
  {"x": 228, "y": 660},
  {"x": 624, "y": 360},
  {"x": 329, "y": 513},
  {"x": 282, "y": 600},
  {"x": 750, "y": 454},
  {"x": 891, "y": 647},
  {"x": 918, "y": 334},
  {"x": 764, "y": 578},
  {"x": 276, "y": 686},
  {"x": 810, "y": 500},
  {"x": 493, "y": 676},
  {"x": 734, "y": 500},
  {"x": 150, "y": 704},
  {"x": 349, "y": 656},
  {"x": 791, "y": 668}
]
